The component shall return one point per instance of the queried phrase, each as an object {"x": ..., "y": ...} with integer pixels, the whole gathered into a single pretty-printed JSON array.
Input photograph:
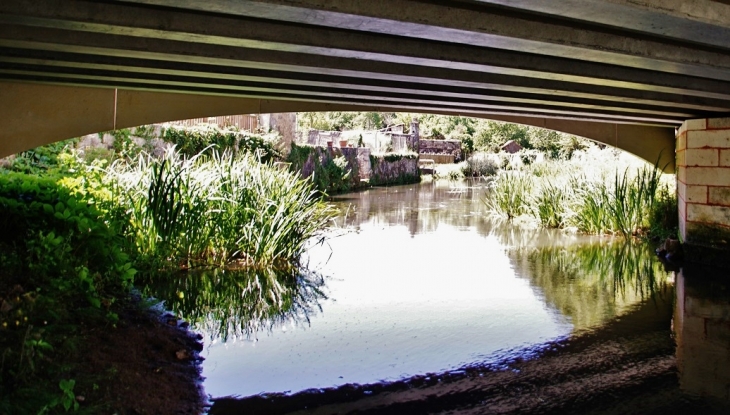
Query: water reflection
[
  {"x": 224, "y": 303},
  {"x": 702, "y": 330},
  {"x": 429, "y": 299},
  {"x": 592, "y": 282},
  {"x": 421, "y": 208}
]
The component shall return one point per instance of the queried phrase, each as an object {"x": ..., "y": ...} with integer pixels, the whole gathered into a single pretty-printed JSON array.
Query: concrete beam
[
  {"x": 464, "y": 24},
  {"x": 700, "y": 21},
  {"x": 39, "y": 114},
  {"x": 22, "y": 42},
  {"x": 366, "y": 46},
  {"x": 35, "y": 114}
]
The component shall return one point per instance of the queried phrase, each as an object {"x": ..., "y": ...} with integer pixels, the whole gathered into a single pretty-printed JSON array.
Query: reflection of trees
[
  {"x": 421, "y": 208},
  {"x": 593, "y": 282},
  {"x": 240, "y": 302}
]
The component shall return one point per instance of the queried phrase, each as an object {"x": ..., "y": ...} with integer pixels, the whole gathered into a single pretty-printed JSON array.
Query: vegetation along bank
[{"x": 79, "y": 236}]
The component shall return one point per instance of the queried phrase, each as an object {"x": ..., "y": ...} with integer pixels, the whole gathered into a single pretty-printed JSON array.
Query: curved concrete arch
[{"x": 36, "y": 114}]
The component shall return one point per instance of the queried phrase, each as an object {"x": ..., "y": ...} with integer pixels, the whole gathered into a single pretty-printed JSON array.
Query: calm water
[{"x": 418, "y": 281}]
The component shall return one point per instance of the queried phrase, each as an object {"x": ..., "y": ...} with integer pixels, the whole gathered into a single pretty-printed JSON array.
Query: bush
[
  {"x": 63, "y": 263},
  {"x": 484, "y": 164},
  {"x": 329, "y": 172},
  {"x": 191, "y": 141},
  {"x": 40, "y": 159}
]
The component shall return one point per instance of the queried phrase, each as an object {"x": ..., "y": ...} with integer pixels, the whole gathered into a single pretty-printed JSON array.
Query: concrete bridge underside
[
  {"x": 628, "y": 73},
  {"x": 37, "y": 114},
  {"x": 625, "y": 73}
]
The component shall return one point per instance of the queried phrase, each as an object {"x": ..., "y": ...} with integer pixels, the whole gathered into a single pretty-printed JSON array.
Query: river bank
[{"x": 147, "y": 364}]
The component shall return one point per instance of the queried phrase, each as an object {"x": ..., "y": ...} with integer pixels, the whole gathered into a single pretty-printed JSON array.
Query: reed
[
  {"x": 217, "y": 209},
  {"x": 590, "y": 199},
  {"x": 510, "y": 194}
]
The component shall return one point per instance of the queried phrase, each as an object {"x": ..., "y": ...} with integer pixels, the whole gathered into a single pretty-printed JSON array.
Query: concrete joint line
[{"x": 116, "y": 101}]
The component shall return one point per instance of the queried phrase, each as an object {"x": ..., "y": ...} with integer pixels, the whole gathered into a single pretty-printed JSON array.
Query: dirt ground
[{"x": 147, "y": 365}]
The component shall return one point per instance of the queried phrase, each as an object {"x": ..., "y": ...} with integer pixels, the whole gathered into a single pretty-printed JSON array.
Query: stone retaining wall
[
  {"x": 392, "y": 170},
  {"x": 452, "y": 147}
]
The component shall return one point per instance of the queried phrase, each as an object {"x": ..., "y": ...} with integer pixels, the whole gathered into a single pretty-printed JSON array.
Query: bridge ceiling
[{"x": 647, "y": 62}]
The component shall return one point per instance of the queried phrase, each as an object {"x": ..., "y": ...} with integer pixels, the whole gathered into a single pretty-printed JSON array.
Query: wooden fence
[{"x": 243, "y": 122}]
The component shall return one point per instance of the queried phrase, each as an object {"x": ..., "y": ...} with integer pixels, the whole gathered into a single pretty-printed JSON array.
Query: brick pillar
[{"x": 703, "y": 189}]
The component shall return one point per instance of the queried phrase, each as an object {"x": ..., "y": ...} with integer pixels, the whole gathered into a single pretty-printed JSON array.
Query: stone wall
[
  {"x": 394, "y": 169},
  {"x": 285, "y": 124},
  {"x": 367, "y": 169},
  {"x": 387, "y": 140},
  {"x": 320, "y": 156},
  {"x": 703, "y": 189},
  {"x": 452, "y": 147}
]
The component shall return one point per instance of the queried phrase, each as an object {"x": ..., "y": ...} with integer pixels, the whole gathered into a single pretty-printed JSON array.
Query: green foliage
[
  {"x": 510, "y": 194},
  {"x": 63, "y": 262},
  {"x": 333, "y": 175},
  {"x": 329, "y": 172},
  {"x": 549, "y": 205},
  {"x": 40, "y": 159},
  {"x": 123, "y": 143},
  {"x": 481, "y": 165},
  {"x": 557, "y": 195},
  {"x": 663, "y": 218},
  {"x": 191, "y": 141},
  {"x": 475, "y": 134},
  {"x": 217, "y": 209},
  {"x": 395, "y": 157},
  {"x": 341, "y": 121},
  {"x": 145, "y": 131}
]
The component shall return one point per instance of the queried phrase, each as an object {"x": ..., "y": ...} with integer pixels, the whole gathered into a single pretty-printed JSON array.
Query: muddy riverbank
[{"x": 147, "y": 364}]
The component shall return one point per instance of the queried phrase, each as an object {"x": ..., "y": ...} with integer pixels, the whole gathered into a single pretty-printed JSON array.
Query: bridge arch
[{"x": 37, "y": 114}]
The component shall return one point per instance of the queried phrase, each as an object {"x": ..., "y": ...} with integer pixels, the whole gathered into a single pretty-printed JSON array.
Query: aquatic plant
[
  {"x": 482, "y": 164},
  {"x": 450, "y": 171},
  {"x": 510, "y": 194},
  {"x": 633, "y": 201},
  {"x": 549, "y": 205},
  {"x": 217, "y": 209}
]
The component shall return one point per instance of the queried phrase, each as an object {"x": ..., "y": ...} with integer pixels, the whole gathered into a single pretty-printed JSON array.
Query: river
[{"x": 418, "y": 302}]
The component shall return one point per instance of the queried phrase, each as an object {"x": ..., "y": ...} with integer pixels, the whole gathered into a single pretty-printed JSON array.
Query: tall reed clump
[
  {"x": 511, "y": 194},
  {"x": 217, "y": 209},
  {"x": 560, "y": 195}
]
